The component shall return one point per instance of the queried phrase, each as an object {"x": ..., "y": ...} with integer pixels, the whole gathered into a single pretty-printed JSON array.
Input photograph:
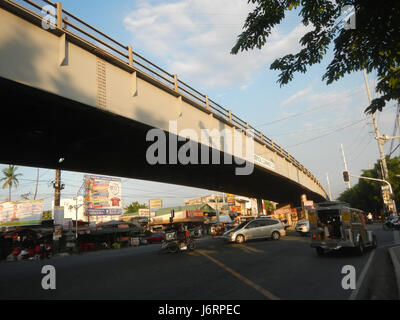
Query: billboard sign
[
  {"x": 102, "y": 196},
  {"x": 155, "y": 204},
  {"x": 144, "y": 212},
  {"x": 235, "y": 208},
  {"x": 230, "y": 198},
  {"x": 386, "y": 195},
  {"x": 308, "y": 205},
  {"x": 194, "y": 214},
  {"x": 21, "y": 213}
]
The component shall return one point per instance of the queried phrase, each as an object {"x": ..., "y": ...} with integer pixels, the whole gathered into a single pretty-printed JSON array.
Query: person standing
[{"x": 369, "y": 216}]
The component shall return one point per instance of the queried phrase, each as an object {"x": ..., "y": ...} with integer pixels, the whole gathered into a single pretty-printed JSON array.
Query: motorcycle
[
  {"x": 172, "y": 244},
  {"x": 391, "y": 224}
]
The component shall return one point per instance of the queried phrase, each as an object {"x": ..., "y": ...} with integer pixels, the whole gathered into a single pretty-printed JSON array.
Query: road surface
[{"x": 266, "y": 269}]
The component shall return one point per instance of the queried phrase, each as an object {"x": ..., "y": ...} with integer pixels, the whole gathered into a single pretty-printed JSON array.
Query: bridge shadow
[{"x": 40, "y": 127}]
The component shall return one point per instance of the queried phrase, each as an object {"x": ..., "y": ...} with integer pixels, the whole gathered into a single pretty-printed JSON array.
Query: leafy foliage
[
  {"x": 10, "y": 178},
  {"x": 269, "y": 206},
  {"x": 366, "y": 194},
  {"x": 134, "y": 207},
  {"x": 374, "y": 44}
]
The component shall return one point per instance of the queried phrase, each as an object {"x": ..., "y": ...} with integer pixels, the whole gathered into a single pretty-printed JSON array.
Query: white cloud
[
  {"x": 296, "y": 96},
  {"x": 194, "y": 38}
]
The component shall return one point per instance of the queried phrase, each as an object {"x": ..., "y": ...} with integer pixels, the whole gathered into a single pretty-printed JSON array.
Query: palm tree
[{"x": 10, "y": 178}]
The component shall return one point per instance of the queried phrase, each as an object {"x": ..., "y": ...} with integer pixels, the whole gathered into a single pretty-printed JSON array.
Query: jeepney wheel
[
  {"x": 239, "y": 239},
  {"x": 320, "y": 251}
]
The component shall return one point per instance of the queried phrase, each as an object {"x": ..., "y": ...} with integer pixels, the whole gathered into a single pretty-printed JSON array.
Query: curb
[{"x": 396, "y": 265}]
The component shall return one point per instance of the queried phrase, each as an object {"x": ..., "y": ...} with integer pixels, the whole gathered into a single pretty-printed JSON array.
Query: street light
[
  {"x": 385, "y": 138},
  {"x": 374, "y": 179}
]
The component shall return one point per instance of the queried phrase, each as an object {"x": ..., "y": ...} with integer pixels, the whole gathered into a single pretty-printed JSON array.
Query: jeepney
[{"x": 335, "y": 225}]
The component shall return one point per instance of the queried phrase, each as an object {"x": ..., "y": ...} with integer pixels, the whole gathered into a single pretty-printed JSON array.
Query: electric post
[
  {"x": 384, "y": 169},
  {"x": 57, "y": 188},
  {"x": 377, "y": 134}
]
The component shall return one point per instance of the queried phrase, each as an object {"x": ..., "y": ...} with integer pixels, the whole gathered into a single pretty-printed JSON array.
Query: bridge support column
[
  {"x": 63, "y": 51},
  {"x": 256, "y": 206},
  {"x": 260, "y": 206}
]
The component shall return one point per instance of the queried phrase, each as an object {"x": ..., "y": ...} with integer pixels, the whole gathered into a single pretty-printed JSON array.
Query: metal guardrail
[{"x": 68, "y": 21}]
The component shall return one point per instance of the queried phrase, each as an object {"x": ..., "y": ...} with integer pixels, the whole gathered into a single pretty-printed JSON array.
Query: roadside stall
[{"x": 114, "y": 234}]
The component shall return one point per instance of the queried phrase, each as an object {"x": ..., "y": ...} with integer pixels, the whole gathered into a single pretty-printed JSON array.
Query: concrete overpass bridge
[{"x": 70, "y": 91}]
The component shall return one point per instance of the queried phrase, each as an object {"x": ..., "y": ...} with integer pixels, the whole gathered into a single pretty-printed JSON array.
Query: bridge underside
[{"x": 38, "y": 128}]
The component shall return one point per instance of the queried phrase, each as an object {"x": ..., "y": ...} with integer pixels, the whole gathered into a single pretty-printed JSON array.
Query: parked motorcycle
[
  {"x": 391, "y": 224},
  {"x": 172, "y": 244}
]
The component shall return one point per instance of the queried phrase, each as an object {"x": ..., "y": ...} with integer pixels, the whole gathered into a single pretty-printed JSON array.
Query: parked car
[
  {"x": 155, "y": 238},
  {"x": 303, "y": 227},
  {"x": 256, "y": 229}
]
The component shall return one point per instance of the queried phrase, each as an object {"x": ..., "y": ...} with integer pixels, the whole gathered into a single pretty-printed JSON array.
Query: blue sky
[{"x": 193, "y": 38}]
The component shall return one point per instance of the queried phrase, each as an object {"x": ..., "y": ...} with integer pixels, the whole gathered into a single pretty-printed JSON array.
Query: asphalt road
[{"x": 266, "y": 269}]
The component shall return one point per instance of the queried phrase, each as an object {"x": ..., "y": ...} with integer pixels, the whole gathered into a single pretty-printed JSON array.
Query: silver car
[{"x": 255, "y": 229}]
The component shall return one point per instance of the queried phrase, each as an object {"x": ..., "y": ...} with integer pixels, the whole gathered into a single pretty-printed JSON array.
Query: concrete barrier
[{"x": 394, "y": 253}]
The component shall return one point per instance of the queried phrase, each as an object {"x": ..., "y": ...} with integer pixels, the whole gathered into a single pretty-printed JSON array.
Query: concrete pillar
[{"x": 259, "y": 206}]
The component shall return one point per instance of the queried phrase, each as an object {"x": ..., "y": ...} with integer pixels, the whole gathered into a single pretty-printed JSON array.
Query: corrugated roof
[{"x": 204, "y": 207}]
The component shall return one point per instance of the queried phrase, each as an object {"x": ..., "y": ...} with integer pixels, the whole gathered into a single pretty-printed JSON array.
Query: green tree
[
  {"x": 10, "y": 179},
  {"x": 366, "y": 194},
  {"x": 269, "y": 206},
  {"x": 134, "y": 207},
  {"x": 374, "y": 44}
]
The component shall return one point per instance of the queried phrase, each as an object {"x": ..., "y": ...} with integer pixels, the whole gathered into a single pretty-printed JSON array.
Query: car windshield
[{"x": 241, "y": 225}]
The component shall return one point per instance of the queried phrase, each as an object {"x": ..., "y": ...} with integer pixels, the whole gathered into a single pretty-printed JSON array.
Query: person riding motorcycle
[{"x": 182, "y": 234}]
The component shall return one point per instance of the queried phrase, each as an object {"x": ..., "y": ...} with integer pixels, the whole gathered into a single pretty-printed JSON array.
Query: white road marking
[{"x": 353, "y": 295}]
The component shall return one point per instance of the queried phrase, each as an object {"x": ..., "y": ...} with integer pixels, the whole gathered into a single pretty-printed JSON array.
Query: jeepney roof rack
[{"x": 332, "y": 203}]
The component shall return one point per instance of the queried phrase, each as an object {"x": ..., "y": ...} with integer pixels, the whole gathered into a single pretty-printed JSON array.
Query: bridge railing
[{"x": 68, "y": 22}]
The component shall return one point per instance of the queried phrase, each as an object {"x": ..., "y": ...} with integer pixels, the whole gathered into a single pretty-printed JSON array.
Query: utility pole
[
  {"x": 385, "y": 174},
  {"x": 216, "y": 205},
  {"x": 345, "y": 165},
  {"x": 57, "y": 188},
  {"x": 37, "y": 181},
  {"x": 329, "y": 186}
]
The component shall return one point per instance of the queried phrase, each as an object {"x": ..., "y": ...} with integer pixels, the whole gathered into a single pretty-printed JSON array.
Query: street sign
[
  {"x": 155, "y": 204},
  {"x": 144, "y": 212}
]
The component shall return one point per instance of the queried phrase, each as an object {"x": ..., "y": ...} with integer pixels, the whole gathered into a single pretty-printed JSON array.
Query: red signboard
[
  {"x": 194, "y": 214},
  {"x": 235, "y": 208}
]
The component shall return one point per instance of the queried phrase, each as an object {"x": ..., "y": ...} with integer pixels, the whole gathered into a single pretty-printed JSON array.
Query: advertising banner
[
  {"x": 102, "y": 196},
  {"x": 308, "y": 205},
  {"x": 230, "y": 198},
  {"x": 155, "y": 204},
  {"x": 57, "y": 234},
  {"x": 58, "y": 215},
  {"x": 194, "y": 214},
  {"x": 235, "y": 208},
  {"x": 144, "y": 212},
  {"x": 21, "y": 213}
]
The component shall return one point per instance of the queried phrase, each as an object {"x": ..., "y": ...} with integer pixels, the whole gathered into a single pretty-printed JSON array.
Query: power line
[
  {"x": 326, "y": 134},
  {"x": 331, "y": 132},
  {"x": 307, "y": 111}
]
